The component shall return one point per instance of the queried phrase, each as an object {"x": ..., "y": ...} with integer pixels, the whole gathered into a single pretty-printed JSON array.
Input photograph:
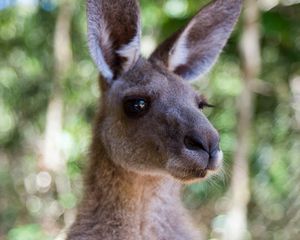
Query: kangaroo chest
[
  {"x": 160, "y": 218},
  {"x": 154, "y": 222},
  {"x": 147, "y": 216}
]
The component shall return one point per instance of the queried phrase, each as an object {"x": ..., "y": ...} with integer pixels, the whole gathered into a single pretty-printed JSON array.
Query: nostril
[{"x": 194, "y": 143}]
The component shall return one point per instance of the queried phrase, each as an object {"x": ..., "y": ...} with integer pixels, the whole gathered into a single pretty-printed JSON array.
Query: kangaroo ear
[
  {"x": 193, "y": 50},
  {"x": 114, "y": 35}
]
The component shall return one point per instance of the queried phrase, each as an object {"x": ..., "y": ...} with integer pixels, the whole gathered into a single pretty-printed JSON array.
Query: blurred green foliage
[
  {"x": 26, "y": 83},
  {"x": 28, "y": 232}
]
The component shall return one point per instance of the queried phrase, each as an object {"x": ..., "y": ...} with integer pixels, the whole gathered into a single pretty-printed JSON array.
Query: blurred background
[{"x": 48, "y": 97}]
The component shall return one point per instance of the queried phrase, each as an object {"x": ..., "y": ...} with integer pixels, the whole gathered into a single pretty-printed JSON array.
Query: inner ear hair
[
  {"x": 193, "y": 50},
  {"x": 114, "y": 35}
]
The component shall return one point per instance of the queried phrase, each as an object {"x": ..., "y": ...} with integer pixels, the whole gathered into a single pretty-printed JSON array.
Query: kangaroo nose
[
  {"x": 214, "y": 153},
  {"x": 206, "y": 143},
  {"x": 196, "y": 143}
]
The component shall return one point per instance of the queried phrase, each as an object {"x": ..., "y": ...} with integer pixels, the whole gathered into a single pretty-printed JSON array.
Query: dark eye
[{"x": 135, "y": 107}]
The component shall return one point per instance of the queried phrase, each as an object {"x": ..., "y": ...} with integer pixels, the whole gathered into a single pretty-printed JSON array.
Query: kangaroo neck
[{"x": 124, "y": 202}]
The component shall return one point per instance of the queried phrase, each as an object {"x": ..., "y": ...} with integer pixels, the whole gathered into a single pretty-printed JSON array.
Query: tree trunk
[
  {"x": 236, "y": 222},
  {"x": 52, "y": 159}
]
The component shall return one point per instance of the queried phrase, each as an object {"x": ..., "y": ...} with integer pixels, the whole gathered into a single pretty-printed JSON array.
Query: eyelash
[{"x": 204, "y": 104}]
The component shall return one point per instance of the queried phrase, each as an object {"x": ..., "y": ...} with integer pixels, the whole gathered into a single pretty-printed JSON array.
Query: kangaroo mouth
[
  {"x": 203, "y": 173},
  {"x": 187, "y": 175},
  {"x": 189, "y": 169},
  {"x": 195, "y": 174}
]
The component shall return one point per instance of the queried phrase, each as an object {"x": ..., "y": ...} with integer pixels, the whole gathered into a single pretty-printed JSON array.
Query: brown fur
[{"x": 137, "y": 165}]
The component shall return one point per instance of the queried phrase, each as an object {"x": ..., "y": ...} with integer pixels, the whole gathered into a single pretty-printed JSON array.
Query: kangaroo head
[{"x": 152, "y": 120}]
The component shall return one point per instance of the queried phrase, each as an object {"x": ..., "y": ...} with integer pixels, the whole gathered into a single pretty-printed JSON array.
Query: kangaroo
[{"x": 150, "y": 135}]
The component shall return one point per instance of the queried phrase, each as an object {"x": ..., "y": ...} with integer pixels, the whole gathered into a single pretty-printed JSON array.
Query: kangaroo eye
[{"x": 136, "y": 107}]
